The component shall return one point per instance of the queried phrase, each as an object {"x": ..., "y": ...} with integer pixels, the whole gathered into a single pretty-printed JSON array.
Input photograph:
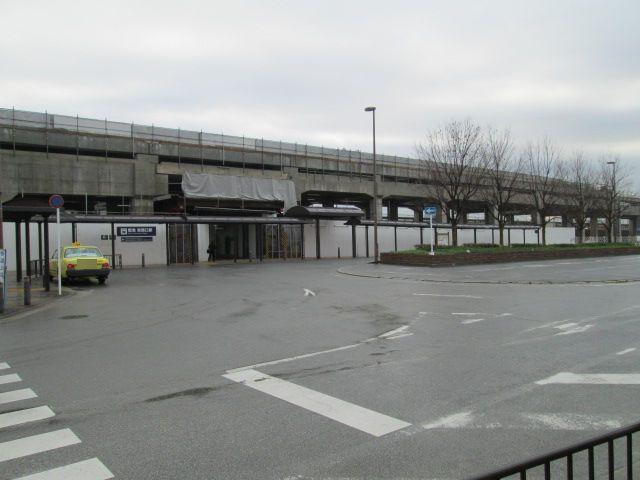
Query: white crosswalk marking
[
  {"x": 25, "y": 416},
  {"x": 357, "y": 417},
  {"x": 92, "y": 469},
  {"x": 37, "y": 444},
  {"x": 4, "y": 366},
  {"x": 12, "y": 378},
  {"x": 17, "y": 395},
  {"x": 568, "y": 378}
]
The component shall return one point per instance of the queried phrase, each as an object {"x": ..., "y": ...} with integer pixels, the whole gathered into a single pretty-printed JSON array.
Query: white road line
[
  {"x": 465, "y": 313},
  {"x": 308, "y": 292},
  {"x": 628, "y": 350},
  {"x": 37, "y": 444},
  {"x": 568, "y": 378},
  {"x": 4, "y": 366},
  {"x": 457, "y": 420},
  {"x": 354, "y": 416},
  {"x": 92, "y": 469},
  {"x": 12, "y": 378},
  {"x": 572, "y": 330},
  {"x": 472, "y": 320},
  {"x": 395, "y": 331},
  {"x": 27, "y": 415},
  {"x": 528, "y": 421},
  {"x": 399, "y": 336},
  {"x": 298, "y": 357},
  {"x": 444, "y": 295},
  {"x": 17, "y": 395}
]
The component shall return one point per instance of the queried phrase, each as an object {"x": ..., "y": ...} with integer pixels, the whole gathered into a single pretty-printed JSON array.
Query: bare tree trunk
[
  {"x": 501, "y": 234},
  {"x": 454, "y": 235},
  {"x": 544, "y": 234}
]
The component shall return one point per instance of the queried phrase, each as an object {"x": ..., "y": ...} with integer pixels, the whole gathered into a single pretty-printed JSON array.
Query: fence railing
[
  {"x": 114, "y": 264},
  {"x": 21, "y": 119},
  {"x": 566, "y": 464}
]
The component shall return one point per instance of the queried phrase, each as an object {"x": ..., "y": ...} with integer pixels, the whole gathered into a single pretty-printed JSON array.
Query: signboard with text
[
  {"x": 138, "y": 231},
  {"x": 430, "y": 210}
]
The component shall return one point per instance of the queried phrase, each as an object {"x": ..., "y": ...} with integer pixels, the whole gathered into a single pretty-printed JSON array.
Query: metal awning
[
  {"x": 327, "y": 213},
  {"x": 398, "y": 223},
  {"x": 175, "y": 219}
]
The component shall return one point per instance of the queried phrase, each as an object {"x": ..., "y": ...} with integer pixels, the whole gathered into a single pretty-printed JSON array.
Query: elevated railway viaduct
[{"x": 104, "y": 166}]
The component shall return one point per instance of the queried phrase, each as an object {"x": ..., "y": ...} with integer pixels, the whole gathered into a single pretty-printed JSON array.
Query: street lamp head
[{"x": 370, "y": 109}]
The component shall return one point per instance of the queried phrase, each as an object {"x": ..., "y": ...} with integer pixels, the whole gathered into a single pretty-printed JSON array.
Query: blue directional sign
[
  {"x": 56, "y": 201},
  {"x": 430, "y": 210}
]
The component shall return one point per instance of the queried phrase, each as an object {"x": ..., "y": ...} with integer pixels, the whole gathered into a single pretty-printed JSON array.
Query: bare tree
[
  {"x": 455, "y": 165},
  {"x": 581, "y": 193},
  {"x": 615, "y": 184},
  {"x": 544, "y": 179},
  {"x": 504, "y": 171}
]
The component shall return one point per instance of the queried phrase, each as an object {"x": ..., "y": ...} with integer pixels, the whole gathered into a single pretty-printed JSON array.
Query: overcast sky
[{"x": 303, "y": 71}]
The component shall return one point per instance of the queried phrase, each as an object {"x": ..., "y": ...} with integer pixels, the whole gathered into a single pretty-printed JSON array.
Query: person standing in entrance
[{"x": 212, "y": 251}]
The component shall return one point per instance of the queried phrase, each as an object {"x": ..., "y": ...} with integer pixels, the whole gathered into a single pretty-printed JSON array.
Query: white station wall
[{"x": 333, "y": 235}]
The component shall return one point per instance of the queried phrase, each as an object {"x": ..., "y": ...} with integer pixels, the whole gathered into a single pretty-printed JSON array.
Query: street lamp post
[
  {"x": 614, "y": 215},
  {"x": 376, "y": 256}
]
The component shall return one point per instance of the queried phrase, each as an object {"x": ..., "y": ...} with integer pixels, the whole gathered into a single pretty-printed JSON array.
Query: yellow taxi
[{"x": 80, "y": 261}]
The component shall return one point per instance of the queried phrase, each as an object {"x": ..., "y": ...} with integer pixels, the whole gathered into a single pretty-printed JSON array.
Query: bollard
[
  {"x": 142, "y": 259},
  {"x": 338, "y": 252},
  {"x": 26, "y": 288}
]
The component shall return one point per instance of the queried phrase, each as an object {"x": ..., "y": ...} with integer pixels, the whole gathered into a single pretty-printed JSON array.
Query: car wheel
[{"x": 101, "y": 280}]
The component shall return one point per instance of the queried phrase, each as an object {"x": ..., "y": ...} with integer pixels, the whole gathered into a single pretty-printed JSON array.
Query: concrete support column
[
  {"x": 535, "y": 218},
  {"x": 417, "y": 215},
  {"x": 375, "y": 206},
  {"x": 141, "y": 205},
  {"x": 392, "y": 211}
]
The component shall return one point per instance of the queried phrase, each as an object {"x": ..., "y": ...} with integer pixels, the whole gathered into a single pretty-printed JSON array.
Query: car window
[{"x": 82, "y": 252}]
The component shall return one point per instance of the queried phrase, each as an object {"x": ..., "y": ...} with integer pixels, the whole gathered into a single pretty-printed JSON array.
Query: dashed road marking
[
  {"x": 569, "y": 378},
  {"x": 624, "y": 352},
  {"x": 308, "y": 292},
  {"x": 4, "y": 366},
  {"x": 17, "y": 395},
  {"x": 528, "y": 421},
  {"x": 571, "y": 328},
  {"x": 27, "y": 415},
  {"x": 12, "y": 378},
  {"x": 446, "y": 295},
  {"x": 360, "y": 418},
  {"x": 393, "y": 332},
  {"x": 472, "y": 320},
  {"x": 37, "y": 444},
  {"x": 92, "y": 469}
]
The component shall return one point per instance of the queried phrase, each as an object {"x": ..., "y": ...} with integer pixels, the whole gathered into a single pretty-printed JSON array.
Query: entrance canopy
[{"x": 176, "y": 219}]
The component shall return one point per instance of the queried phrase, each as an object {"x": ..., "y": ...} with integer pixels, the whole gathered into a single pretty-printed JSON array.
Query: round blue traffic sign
[{"x": 56, "y": 201}]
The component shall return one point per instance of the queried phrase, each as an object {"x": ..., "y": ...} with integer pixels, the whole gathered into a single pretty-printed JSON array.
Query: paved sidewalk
[{"x": 14, "y": 303}]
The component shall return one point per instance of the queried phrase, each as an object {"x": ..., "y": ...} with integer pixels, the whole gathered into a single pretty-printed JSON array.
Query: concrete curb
[{"x": 492, "y": 282}]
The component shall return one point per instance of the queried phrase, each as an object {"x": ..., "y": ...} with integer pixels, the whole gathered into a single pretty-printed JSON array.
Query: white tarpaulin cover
[{"x": 206, "y": 185}]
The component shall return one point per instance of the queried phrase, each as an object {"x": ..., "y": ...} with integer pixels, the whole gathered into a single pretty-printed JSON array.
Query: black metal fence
[{"x": 583, "y": 460}]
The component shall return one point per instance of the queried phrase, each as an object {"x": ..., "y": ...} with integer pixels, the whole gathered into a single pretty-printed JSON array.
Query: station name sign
[{"x": 136, "y": 231}]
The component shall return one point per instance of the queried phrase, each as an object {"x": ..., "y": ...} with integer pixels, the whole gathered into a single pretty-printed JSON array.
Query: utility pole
[{"x": 376, "y": 256}]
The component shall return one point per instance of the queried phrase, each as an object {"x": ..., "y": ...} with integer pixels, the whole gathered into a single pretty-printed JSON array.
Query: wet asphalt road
[{"x": 135, "y": 368}]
